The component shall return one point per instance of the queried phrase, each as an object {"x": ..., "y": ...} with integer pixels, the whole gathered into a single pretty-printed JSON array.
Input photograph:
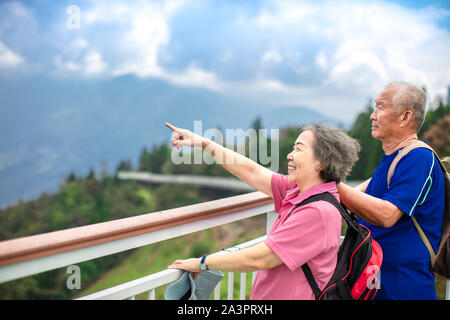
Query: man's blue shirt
[{"x": 417, "y": 189}]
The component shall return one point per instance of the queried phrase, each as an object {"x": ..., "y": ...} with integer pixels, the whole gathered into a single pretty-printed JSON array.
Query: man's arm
[
  {"x": 363, "y": 186},
  {"x": 376, "y": 211}
]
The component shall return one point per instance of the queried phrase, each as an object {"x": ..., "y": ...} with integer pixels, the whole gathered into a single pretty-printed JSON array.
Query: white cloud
[
  {"x": 321, "y": 60},
  {"x": 79, "y": 44},
  {"x": 145, "y": 30},
  {"x": 272, "y": 56},
  {"x": 94, "y": 64},
  {"x": 287, "y": 13},
  {"x": 145, "y": 33},
  {"x": 194, "y": 77},
  {"x": 90, "y": 63},
  {"x": 8, "y": 58},
  {"x": 358, "y": 47}
]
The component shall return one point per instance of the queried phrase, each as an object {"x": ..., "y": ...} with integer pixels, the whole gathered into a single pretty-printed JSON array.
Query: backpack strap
[
  {"x": 312, "y": 282},
  {"x": 446, "y": 163},
  {"x": 411, "y": 146},
  {"x": 424, "y": 238},
  {"x": 326, "y": 196}
]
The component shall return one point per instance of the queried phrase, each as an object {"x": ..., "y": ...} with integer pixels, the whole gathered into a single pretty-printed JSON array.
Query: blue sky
[{"x": 328, "y": 55}]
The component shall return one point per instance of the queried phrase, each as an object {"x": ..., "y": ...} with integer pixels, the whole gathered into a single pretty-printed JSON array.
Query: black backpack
[{"x": 358, "y": 264}]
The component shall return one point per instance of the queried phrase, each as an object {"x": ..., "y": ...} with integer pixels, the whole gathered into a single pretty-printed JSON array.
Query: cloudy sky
[
  {"x": 87, "y": 81},
  {"x": 327, "y": 55}
]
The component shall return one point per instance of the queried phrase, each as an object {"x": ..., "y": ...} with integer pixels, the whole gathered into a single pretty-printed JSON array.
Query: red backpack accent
[{"x": 356, "y": 275}]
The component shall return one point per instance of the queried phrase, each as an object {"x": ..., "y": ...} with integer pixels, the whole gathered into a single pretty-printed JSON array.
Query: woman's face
[{"x": 303, "y": 167}]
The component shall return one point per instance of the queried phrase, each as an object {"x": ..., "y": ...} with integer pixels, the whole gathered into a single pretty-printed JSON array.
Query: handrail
[
  {"x": 154, "y": 280},
  {"x": 42, "y": 245}
]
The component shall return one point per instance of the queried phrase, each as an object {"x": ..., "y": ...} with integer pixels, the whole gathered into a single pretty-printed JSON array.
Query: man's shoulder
[
  {"x": 417, "y": 158},
  {"x": 419, "y": 152}
]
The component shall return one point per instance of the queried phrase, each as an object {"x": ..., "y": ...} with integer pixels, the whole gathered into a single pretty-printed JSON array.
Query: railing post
[
  {"x": 217, "y": 292},
  {"x": 271, "y": 217},
  {"x": 151, "y": 294},
  {"x": 243, "y": 285},
  {"x": 447, "y": 290},
  {"x": 230, "y": 285}
]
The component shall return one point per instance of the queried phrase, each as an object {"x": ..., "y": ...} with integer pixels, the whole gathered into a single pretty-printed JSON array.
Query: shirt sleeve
[
  {"x": 300, "y": 238},
  {"x": 411, "y": 180},
  {"x": 280, "y": 186}
]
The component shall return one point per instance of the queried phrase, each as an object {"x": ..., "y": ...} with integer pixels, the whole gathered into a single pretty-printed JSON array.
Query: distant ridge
[{"x": 64, "y": 126}]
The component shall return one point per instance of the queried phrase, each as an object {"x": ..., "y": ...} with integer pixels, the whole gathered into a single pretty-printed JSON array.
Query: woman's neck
[{"x": 303, "y": 187}]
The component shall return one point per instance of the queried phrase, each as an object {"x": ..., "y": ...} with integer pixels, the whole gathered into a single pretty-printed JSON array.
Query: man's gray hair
[
  {"x": 408, "y": 96},
  {"x": 336, "y": 151}
]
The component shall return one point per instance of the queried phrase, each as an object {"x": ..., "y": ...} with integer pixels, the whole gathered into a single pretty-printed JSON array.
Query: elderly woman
[{"x": 321, "y": 157}]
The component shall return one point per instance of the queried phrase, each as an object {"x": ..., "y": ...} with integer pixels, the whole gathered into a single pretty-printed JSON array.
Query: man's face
[{"x": 384, "y": 120}]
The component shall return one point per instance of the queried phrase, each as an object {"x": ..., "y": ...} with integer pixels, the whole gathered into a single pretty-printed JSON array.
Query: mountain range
[{"x": 62, "y": 126}]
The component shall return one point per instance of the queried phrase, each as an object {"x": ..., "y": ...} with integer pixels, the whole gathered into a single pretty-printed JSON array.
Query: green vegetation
[{"x": 87, "y": 200}]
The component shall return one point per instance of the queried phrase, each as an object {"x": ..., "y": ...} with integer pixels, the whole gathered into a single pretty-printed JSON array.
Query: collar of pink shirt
[{"x": 295, "y": 197}]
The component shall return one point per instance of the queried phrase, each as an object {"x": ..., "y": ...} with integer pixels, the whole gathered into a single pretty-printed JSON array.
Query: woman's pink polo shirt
[{"x": 309, "y": 234}]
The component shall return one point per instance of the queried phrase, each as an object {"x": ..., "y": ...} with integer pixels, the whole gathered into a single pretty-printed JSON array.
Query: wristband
[{"x": 203, "y": 266}]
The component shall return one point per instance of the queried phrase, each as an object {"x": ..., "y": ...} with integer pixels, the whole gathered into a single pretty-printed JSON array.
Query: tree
[
  {"x": 124, "y": 165},
  {"x": 71, "y": 177},
  {"x": 438, "y": 136},
  {"x": 91, "y": 175},
  {"x": 371, "y": 151},
  {"x": 154, "y": 161},
  {"x": 288, "y": 135},
  {"x": 432, "y": 117}
]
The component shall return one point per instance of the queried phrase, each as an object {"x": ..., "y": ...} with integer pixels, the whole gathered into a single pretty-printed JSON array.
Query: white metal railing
[{"x": 149, "y": 283}]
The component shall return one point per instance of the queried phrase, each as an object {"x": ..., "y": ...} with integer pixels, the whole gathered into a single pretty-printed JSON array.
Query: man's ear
[{"x": 406, "y": 118}]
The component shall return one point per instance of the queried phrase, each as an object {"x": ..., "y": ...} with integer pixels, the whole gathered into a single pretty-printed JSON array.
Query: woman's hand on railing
[
  {"x": 191, "y": 265},
  {"x": 183, "y": 137}
]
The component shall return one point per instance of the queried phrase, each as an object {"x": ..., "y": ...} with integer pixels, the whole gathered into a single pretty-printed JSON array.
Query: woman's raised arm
[{"x": 238, "y": 165}]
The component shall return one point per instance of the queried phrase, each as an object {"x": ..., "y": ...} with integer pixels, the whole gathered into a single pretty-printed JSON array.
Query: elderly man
[{"x": 416, "y": 190}]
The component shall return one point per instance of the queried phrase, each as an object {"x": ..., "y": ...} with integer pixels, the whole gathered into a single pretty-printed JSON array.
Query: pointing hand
[{"x": 184, "y": 137}]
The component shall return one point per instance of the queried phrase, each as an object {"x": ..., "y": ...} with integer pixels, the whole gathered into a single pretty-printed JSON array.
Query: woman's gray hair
[
  {"x": 408, "y": 96},
  {"x": 336, "y": 151}
]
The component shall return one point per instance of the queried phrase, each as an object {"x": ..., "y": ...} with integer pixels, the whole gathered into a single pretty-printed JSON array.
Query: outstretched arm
[{"x": 238, "y": 165}]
